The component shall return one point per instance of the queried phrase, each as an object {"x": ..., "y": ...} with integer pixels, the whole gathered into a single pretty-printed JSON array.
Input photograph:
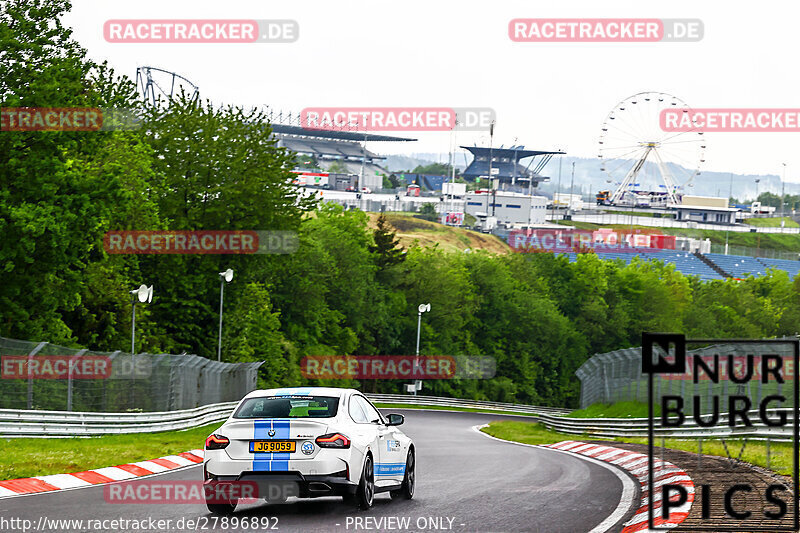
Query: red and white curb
[
  {"x": 98, "y": 476},
  {"x": 636, "y": 465}
]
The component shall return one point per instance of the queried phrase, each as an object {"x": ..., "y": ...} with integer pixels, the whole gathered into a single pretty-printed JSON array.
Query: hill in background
[{"x": 411, "y": 230}]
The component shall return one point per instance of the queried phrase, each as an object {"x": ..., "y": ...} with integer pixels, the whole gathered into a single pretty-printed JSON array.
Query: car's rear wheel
[
  {"x": 365, "y": 495},
  {"x": 406, "y": 490},
  {"x": 222, "y": 508}
]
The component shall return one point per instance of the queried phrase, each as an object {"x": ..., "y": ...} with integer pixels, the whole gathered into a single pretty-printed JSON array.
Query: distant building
[
  {"x": 511, "y": 209},
  {"x": 505, "y": 165},
  {"x": 336, "y": 146},
  {"x": 706, "y": 209}
]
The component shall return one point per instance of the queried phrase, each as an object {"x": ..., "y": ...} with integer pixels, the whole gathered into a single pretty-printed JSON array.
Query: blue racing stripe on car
[
  {"x": 268, "y": 462},
  {"x": 389, "y": 469},
  {"x": 280, "y": 461},
  {"x": 260, "y": 430}
]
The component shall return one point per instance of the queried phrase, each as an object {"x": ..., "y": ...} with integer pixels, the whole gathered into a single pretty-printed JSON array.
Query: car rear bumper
[{"x": 280, "y": 485}]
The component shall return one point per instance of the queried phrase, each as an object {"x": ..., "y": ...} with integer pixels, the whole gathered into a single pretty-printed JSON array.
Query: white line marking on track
[{"x": 6, "y": 492}]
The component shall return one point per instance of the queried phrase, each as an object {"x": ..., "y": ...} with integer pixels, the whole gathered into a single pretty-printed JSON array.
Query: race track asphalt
[{"x": 466, "y": 482}]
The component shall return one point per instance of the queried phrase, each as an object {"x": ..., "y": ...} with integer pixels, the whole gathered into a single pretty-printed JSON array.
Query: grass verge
[
  {"x": 40, "y": 457},
  {"x": 614, "y": 410},
  {"x": 634, "y": 213},
  {"x": 772, "y": 222},
  {"x": 754, "y": 452}
]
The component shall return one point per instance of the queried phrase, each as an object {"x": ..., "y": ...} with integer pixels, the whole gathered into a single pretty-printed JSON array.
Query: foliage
[
  {"x": 348, "y": 289},
  {"x": 306, "y": 162},
  {"x": 427, "y": 211},
  {"x": 337, "y": 168},
  {"x": 437, "y": 169},
  {"x": 387, "y": 246},
  {"x": 40, "y": 457},
  {"x": 615, "y": 410}
]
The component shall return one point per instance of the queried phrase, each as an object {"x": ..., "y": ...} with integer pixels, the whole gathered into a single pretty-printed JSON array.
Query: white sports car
[{"x": 308, "y": 442}]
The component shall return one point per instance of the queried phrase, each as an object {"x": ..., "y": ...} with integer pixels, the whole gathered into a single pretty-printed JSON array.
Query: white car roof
[{"x": 302, "y": 391}]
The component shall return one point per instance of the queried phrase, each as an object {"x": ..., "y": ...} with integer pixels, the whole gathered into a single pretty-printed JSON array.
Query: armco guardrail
[
  {"x": 20, "y": 423},
  {"x": 637, "y": 427},
  {"x": 23, "y": 423},
  {"x": 472, "y": 404}
]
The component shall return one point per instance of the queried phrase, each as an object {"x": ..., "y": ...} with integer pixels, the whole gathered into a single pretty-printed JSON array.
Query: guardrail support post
[
  {"x": 69, "y": 378},
  {"x": 30, "y": 376},
  {"x": 105, "y": 381}
]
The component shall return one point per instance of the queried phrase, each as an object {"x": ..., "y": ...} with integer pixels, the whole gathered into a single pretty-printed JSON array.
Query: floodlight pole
[
  {"x": 421, "y": 309},
  {"x": 146, "y": 296},
  {"x": 491, "y": 161},
  {"x": 416, "y": 357},
  {"x": 514, "y": 173},
  {"x": 363, "y": 164},
  {"x": 571, "y": 184},
  {"x": 133, "y": 325},
  {"x": 221, "y": 296},
  {"x": 728, "y": 229},
  {"x": 419, "y": 325},
  {"x": 224, "y": 277},
  {"x": 559, "y": 186},
  {"x": 783, "y": 192}
]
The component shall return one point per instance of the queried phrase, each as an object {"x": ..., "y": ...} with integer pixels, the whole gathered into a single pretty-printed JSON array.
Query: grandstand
[
  {"x": 685, "y": 262},
  {"x": 506, "y": 165},
  {"x": 738, "y": 266},
  {"x": 791, "y": 267},
  {"x": 735, "y": 266},
  {"x": 337, "y": 146}
]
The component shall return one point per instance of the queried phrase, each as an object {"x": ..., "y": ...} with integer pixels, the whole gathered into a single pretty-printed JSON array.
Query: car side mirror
[{"x": 395, "y": 420}]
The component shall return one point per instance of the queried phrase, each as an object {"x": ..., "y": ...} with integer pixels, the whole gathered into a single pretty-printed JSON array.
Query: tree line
[{"x": 349, "y": 289}]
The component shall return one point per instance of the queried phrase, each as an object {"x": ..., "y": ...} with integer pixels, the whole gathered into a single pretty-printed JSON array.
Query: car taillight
[
  {"x": 216, "y": 442},
  {"x": 333, "y": 440}
]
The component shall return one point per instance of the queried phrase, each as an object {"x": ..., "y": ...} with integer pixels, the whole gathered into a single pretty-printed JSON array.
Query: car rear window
[{"x": 288, "y": 407}]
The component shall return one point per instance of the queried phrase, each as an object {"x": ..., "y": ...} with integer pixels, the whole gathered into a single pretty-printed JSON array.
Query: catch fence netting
[{"x": 44, "y": 376}]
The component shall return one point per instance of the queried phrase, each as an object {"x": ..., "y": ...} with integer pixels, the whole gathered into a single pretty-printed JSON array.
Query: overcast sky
[{"x": 458, "y": 53}]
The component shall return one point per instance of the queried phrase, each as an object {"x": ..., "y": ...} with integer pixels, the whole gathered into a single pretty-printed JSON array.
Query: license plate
[{"x": 273, "y": 446}]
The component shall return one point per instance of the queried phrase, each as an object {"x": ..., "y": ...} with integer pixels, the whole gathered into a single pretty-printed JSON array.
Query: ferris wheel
[{"x": 636, "y": 153}]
